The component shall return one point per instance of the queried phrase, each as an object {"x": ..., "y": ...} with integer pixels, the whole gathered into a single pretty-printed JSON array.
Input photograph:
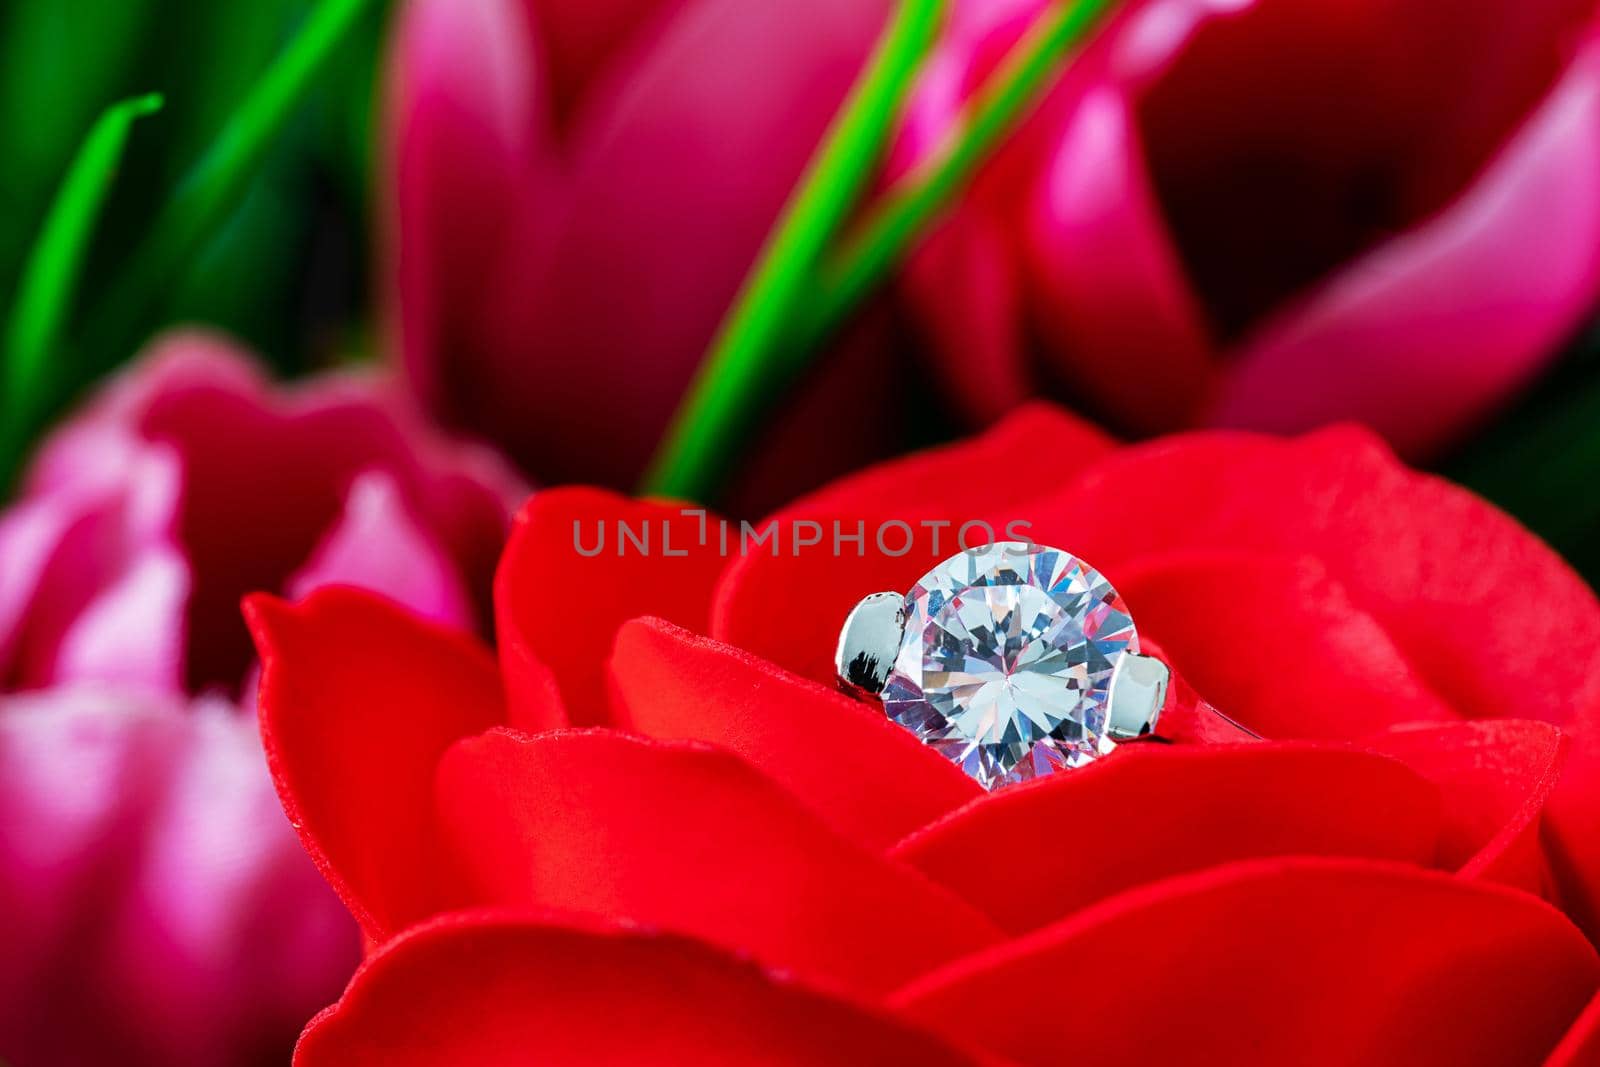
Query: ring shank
[{"x": 1189, "y": 720}]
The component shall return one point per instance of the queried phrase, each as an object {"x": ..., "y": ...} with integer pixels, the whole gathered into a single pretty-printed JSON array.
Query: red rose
[{"x": 624, "y": 842}]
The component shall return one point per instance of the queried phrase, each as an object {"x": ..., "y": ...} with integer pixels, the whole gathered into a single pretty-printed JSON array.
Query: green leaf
[
  {"x": 303, "y": 212},
  {"x": 893, "y": 229},
  {"x": 47, "y": 103},
  {"x": 766, "y": 346},
  {"x": 216, "y": 183},
  {"x": 718, "y": 403},
  {"x": 45, "y": 294},
  {"x": 243, "y": 40},
  {"x": 286, "y": 269}
]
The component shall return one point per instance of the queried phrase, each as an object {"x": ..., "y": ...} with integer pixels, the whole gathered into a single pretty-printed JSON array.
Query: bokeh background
[
  {"x": 291, "y": 263},
  {"x": 285, "y": 267}
]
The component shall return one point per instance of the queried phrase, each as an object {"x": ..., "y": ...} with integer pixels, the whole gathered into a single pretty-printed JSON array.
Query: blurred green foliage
[
  {"x": 1541, "y": 460},
  {"x": 285, "y": 268},
  {"x": 29, "y": 367}
]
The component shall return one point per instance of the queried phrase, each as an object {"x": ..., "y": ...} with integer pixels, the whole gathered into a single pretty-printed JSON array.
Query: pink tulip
[
  {"x": 577, "y": 189},
  {"x": 1274, "y": 213},
  {"x": 154, "y": 904}
]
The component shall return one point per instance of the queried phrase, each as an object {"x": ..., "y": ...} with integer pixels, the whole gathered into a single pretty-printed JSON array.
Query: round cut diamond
[{"x": 1006, "y": 661}]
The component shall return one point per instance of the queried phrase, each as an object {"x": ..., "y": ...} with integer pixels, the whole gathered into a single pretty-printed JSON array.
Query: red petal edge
[
  {"x": 483, "y": 989},
  {"x": 358, "y": 701},
  {"x": 973, "y": 480},
  {"x": 1581, "y": 1046},
  {"x": 575, "y": 539},
  {"x": 1149, "y": 812},
  {"x": 1243, "y": 964},
  {"x": 865, "y": 776},
  {"x": 1494, "y": 778},
  {"x": 687, "y": 838}
]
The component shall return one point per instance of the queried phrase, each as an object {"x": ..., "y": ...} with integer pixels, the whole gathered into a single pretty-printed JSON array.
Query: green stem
[
  {"x": 717, "y": 407},
  {"x": 906, "y": 213},
  {"x": 728, "y": 395},
  {"x": 49, "y": 280},
  {"x": 216, "y": 182}
]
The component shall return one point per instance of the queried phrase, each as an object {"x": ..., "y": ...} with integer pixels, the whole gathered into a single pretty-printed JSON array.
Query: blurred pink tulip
[
  {"x": 1274, "y": 213},
  {"x": 155, "y": 905},
  {"x": 576, "y": 192}
]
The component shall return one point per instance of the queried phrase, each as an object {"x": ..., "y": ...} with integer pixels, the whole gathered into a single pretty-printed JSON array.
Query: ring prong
[
  {"x": 869, "y": 642},
  {"x": 1138, "y": 693}
]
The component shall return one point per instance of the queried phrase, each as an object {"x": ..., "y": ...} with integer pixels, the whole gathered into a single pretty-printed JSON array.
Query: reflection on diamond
[{"x": 1006, "y": 662}]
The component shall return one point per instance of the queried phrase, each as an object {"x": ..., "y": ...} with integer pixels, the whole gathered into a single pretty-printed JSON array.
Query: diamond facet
[{"x": 1006, "y": 662}]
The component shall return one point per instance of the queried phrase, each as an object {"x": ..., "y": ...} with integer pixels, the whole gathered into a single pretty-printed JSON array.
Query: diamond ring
[{"x": 1013, "y": 660}]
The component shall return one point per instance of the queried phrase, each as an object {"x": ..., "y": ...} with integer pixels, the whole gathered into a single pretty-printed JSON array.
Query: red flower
[{"x": 624, "y": 842}]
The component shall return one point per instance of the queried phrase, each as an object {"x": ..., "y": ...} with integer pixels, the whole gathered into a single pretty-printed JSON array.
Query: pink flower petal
[
  {"x": 155, "y": 906},
  {"x": 193, "y": 454},
  {"x": 677, "y": 168},
  {"x": 1108, "y": 288},
  {"x": 380, "y": 546},
  {"x": 467, "y": 139},
  {"x": 94, "y": 584},
  {"x": 1462, "y": 311}
]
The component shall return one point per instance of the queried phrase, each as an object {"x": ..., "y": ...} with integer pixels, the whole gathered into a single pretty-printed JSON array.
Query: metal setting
[
  {"x": 1138, "y": 693},
  {"x": 1013, "y": 660},
  {"x": 869, "y": 642}
]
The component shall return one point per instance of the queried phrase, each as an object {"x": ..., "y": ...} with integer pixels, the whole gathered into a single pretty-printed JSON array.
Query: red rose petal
[
  {"x": 818, "y": 587},
  {"x": 1573, "y": 821},
  {"x": 1269, "y": 962},
  {"x": 570, "y": 576},
  {"x": 865, "y": 776},
  {"x": 1581, "y": 1046},
  {"x": 1276, "y": 643},
  {"x": 1488, "y": 617},
  {"x": 481, "y": 990},
  {"x": 689, "y": 839},
  {"x": 1149, "y": 812},
  {"x": 1445, "y": 574},
  {"x": 358, "y": 702},
  {"x": 1494, "y": 778}
]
